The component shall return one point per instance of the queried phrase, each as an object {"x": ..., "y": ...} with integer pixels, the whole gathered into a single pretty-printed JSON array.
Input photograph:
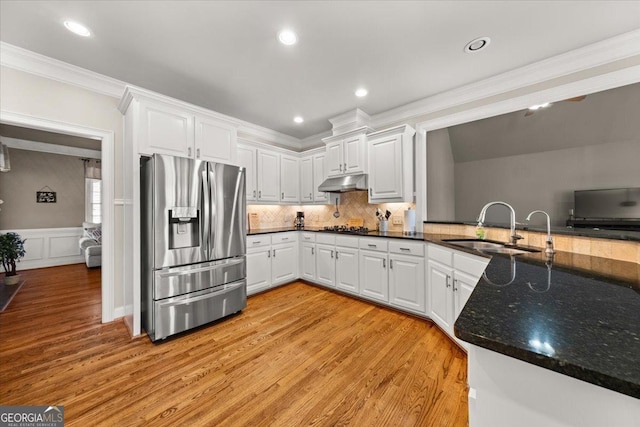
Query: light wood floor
[{"x": 297, "y": 355}]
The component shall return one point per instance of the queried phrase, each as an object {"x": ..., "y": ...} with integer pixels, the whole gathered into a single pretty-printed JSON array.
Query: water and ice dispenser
[{"x": 184, "y": 227}]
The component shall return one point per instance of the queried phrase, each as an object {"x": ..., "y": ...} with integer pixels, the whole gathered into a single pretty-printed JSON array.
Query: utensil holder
[{"x": 384, "y": 226}]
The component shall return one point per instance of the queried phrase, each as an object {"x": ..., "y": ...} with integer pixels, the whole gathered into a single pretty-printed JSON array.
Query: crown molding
[
  {"x": 269, "y": 135},
  {"x": 24, "y": 60},
  {"x": 603, "y": 52}
]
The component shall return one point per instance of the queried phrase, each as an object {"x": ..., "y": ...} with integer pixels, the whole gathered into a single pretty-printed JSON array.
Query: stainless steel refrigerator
[{"x": 193, "y": 222}]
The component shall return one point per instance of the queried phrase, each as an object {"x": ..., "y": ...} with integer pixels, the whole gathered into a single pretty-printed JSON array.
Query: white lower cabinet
[
  {"x": 271, "y": 260},
  {"x": 325, "y": 265},
  {"x": 406, "y": 282},
  {"x": 308, "y": 261},
  {"x": 374, "y": 280},
  {"x": 347, "y": 276},
  {"x": 452, "y": 275}
]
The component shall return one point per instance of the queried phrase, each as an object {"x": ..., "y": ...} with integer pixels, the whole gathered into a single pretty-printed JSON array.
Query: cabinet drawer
[
  {"x": 258, "y": 240},
  {"x": 284, "y": 238},
  {"x": 406, "y": 247},
  {"x": 470, "y": 264},
  {"x": 308, "y": 237},
  {"x": 380, "y": 245},
  {"x": 326, "y": 238},
  {"x": 347, "y": 241},
  {"x": 440, "y": 254}
]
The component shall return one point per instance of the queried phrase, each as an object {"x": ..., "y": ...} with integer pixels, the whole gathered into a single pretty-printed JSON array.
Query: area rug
[{"x": 7, "y": 292}]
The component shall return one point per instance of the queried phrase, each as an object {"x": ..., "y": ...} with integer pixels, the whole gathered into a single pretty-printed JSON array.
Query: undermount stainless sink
[{"x": 489, "y": 247}]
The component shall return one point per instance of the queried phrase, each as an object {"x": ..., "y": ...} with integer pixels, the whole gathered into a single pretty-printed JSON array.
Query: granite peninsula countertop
[{"x": 578, "y": 315}]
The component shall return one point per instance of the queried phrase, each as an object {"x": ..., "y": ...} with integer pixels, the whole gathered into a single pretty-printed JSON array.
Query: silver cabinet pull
[
  {"x": 384, "y": 263},
  {"x": 340, "y": 167},
  {"x": 285, "y": 238},
  {"x": 345, "y": 167},
  {"x": 371, "y": 245},
  {"x": 260, "y": 194},
  {"x": 254, "y": 193},
  {"x": 274, "y": 253},
  {"x": 312, "y": 251},
  {"x": 370, "y": 192},
  {"x": 455, "y": 283},
  {"x": 331, "y": 254},
  {"x": 257, "y": 242},
  {"x": 405, "y": 249},
  {"x": 197, "y": 152},
  {"x": 310, "y": 196},
  {"x": 391, "y": 264},
  {"x": 448, "y": 281},
  {"x": 189, "y": 152},
  {"x": 336, "y": 254},
  {"x": 283, "y": 195},
  {"x": 268, "y": 254}
]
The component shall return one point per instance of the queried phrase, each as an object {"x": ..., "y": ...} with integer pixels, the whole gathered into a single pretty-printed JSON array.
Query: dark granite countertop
[
  {"x": 566, "y": 231},
  {"x": 388, "y": 234},
  {"x": 578, "y": 315},
  {"x": 584, "y": 323}
]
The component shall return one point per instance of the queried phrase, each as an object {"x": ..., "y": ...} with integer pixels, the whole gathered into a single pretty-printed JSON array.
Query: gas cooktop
[{"x": 345, "y": 229}]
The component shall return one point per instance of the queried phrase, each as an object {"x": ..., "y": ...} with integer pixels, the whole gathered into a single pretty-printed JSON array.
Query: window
[{"x": 93, "y": 200}]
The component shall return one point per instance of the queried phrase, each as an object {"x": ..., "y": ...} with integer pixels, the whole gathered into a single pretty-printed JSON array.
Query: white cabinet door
[
  {"x": 306, "y": 179},
  {"x": 215, "y": 141},
  {"x": 268, "y": 176},
  {"x": 289, "y": 179},
  {"x": 284, "y": 261},
  {"x": 463, "y": 285},
  {"x": 385, "y": 167},
  {"x": 374, "y": 279},
  {"x": 258, "y": 269},
  {"x": 165, "y": 130},
  {"x": 333, "y": 158},
  {"x": 440, "y": 295},
  {"x": 319, "y": 175},
  {"x": 406, "y": 282},
  {"x": 325, "y": 265},
  {"x": 308, "y": 263},
  {"x": 353, "y": 154},
  {"x": 247, "y": 160},
  {"x": 347, "y": 277}
]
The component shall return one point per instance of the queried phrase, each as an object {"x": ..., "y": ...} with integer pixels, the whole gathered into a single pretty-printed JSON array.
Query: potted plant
[{"x": 11, "y": 251}]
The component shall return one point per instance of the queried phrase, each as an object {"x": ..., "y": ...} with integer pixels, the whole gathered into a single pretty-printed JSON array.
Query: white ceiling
[{"x": 224, "y": 55}]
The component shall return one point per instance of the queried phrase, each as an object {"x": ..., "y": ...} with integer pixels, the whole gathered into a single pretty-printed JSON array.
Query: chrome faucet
[
  {"x": 514, "y": 237},
  {"x": 549, "y": 250}
]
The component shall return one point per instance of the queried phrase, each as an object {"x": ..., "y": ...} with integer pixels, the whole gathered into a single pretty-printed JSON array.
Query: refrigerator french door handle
[
  {"x": 206, "y": 221},
  {"x": 212, "y": 214}
]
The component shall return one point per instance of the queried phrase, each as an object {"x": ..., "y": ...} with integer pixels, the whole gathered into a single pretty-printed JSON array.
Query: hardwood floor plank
[{"x": 297, "y": 355}]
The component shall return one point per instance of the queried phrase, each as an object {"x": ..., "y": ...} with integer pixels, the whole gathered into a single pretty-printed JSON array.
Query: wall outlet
[{"x": 397, "y": 221}]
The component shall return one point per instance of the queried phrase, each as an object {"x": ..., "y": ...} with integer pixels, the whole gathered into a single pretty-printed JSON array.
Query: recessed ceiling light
[
  {"x": 298, "y": 119},
  {"x": 477, "y": 44},
  {"x": 537, "y": 107},
  {"x": 287, "y": 37},
  {"x": 77, "y": 28},
  {"x": 361, "y": 92}
]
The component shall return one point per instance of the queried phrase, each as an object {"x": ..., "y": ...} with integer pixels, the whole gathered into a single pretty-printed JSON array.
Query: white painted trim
[
  {"x": 250, "y": 129},
  {"x": 24, "y": 60},
  {"x": 582, "y": 87},
  {"x": 108, "y": 181},
  {"x": 44, "y": 147},
  {"x": 118, "y": 312},
  {"x": 44, "y": 238},
  {"x": 593, "y": 55}
]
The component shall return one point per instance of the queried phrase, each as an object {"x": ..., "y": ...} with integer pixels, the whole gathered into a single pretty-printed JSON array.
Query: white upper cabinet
[
  {"x": 247, "y": 159},
  {"x": 289, "y": 179},
  {"x": 319, "y": 175},
  {"x": 306, "y": 179},
  {"x": 268, "y": 176},
  {"x": 164, "y": 129},
  {"x": 162, "y": 125},
  {"x": 215, "y": 141},
  {"x": 346, "y": 154},
  {"x": 390, "y": 154}
]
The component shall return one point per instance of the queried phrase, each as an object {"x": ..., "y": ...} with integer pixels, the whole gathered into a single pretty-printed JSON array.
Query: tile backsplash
[{"x": 351, "y": 205}]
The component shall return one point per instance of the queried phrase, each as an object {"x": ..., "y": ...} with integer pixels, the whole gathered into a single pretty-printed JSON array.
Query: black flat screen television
[{"x": 617, "y": 208}]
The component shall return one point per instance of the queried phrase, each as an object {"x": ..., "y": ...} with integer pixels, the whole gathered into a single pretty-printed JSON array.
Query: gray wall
[
  {"x": 440, "y": 177},
  {"x": 543, "y": 180},
  {"x": 31, "y": 171}
]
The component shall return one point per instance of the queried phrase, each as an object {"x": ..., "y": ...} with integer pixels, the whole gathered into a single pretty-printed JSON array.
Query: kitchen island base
[{"x": 504, "y": 391}]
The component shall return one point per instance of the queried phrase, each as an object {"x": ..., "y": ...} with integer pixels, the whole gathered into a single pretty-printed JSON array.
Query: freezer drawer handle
[{"x": 227, "y": 288}]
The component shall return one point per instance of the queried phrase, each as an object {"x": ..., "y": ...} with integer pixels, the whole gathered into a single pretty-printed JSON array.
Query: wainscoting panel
[{"x": 48, "y": 247}]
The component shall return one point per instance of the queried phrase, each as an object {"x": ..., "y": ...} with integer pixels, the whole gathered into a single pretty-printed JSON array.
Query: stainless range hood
[{"x": 342, "y": 184}]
